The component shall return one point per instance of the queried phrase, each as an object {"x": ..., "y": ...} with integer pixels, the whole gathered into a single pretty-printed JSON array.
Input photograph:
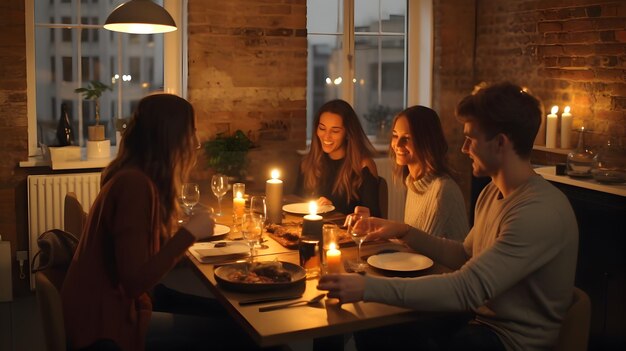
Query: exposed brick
[
  {"x": 593, "y": 11},
  {"x": 578, "y": 25},
  {"x": 620, "y": 35},
  {"x": 546, "y": 27}
]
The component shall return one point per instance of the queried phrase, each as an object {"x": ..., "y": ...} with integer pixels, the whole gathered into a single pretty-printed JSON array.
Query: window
[
  {"x": 359, "y": 52},
  {"x": 84, "y": 51}
]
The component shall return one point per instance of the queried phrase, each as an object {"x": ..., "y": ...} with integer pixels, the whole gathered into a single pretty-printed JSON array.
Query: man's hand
[{"x": 345, "y": 287}]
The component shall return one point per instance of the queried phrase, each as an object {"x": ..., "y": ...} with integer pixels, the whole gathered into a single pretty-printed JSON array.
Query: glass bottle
[
  {"x": 609, "y": 164},
  {"x": 580, "y": 160},
  {"x": 65, "y": 134}
]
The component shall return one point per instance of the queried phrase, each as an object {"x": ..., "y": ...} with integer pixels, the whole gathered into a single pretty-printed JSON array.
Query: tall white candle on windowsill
[
  {"x": 274, "y": 197},
  {"x": 566, "y": 128},
  {"x": 551, "y": 126}
]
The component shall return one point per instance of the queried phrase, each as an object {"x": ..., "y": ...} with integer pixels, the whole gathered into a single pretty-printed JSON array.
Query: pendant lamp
[{"x": 140, "y": 17}]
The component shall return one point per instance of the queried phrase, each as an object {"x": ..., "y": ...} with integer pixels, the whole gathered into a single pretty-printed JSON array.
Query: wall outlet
[{"x": 21, "y": 256}]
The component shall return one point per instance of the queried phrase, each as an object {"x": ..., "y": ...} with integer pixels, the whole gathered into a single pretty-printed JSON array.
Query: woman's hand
[
  {"x": 201, "y": 224},
  {"x": 360, "y": 212},
  {"x": 322, "y": 201},
  {"x": 345, "y": 287},
  {"x": 380, "y": 229}
]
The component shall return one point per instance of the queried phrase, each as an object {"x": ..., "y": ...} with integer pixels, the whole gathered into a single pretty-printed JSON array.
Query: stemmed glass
[
  {"x": 358, "y": 236},
  {"x": 190, "y": 196},
  {"x": 251, "y": 229},
  {"x": 258, "y": 206},
  {"x": 219, "y": 185}
]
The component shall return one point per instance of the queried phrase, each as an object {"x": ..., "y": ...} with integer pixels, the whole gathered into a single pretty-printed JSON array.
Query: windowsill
[
  {"x": 552, "y": 150},
  {"x": 549, "y": 173},
  {"x": 82, "y": 163}
]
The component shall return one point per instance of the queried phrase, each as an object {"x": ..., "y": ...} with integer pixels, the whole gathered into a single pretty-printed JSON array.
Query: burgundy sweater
[{"x": 119, "y": 258}]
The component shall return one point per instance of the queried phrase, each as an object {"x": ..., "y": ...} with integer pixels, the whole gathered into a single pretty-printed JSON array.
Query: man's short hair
[{"x": 504, "y": 108}]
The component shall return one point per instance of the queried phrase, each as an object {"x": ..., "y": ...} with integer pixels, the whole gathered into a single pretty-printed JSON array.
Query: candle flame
[
  {"x": 332, "y": 246},
  {"x": 239, "y": 195},
  {"x": 555, "y": 109},
  {"x": 275, "y": 174},
  {"x": 566, "y": 109},
  {"x": 313, "y": 208}
]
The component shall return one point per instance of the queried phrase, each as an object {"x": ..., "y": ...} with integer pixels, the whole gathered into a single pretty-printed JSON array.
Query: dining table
[{"x": 325, "y": 322}]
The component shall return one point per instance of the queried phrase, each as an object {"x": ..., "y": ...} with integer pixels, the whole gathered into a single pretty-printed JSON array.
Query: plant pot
[
  {"x": 98, "y": 149},
  {"x": 95, "y": 133}
]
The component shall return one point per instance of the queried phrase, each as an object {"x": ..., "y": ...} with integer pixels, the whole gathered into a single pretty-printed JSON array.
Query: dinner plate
[
  {"x": 216, "y": 251},
  {"x": 223, "y": 276},
  {"x": 303, "y": 208},
  {"x": 400, "y": 261},
  {"x": 218, "y": 231}
]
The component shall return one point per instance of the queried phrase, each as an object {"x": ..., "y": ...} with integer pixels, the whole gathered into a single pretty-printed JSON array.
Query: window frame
[
  {"x": 174, "y": 62},
  {"x": 419, "y": 54}
]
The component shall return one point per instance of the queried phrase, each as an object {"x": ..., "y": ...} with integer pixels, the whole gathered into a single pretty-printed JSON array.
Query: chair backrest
[
  {"x": 574, "y": 334},
  {"x": 383, "y": 197},
  {"x": 51, "y": 310},
  {"x": 74, "y": 217}
]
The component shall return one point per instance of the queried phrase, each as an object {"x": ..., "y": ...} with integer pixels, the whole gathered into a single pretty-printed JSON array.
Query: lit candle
[
  {"x": 566, "y": 128},
  {"x": 274, "y": 197},
  {"x": 551, "y": 125},
  {"x": 333, "y": 259},
  {"x": 312, "y": 223},
  {"x": 239, "y": 205}
]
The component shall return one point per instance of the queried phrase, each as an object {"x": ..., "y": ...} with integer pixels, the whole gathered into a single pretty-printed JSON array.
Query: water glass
[
  {"x": 190, "y": 196},
  {"x": 258, "y": 206},
  {"x": 219, "y": 186},
  {"x": 239, "y": 188},
  {"x": 251, "y": 229}
]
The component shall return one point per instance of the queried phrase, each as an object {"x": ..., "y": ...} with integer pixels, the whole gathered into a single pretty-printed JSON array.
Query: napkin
[{"x": 217, "y": 251}]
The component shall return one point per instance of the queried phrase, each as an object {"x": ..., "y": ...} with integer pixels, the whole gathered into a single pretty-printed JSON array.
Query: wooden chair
[
  {"x": 74, "y": 216},
  {"x": 51, "y": 310},
  {"x": 383, "y": 197},
  {"x": 574, "y": 334}
]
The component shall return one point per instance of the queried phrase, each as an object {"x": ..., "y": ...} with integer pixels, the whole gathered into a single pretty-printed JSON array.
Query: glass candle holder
[{"x": 580, "y": 160}]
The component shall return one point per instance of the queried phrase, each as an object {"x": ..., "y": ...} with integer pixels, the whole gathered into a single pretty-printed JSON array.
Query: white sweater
[{"x": 436, "y": 206}]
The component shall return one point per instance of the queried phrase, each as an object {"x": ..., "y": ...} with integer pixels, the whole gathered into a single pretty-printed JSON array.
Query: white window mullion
[{"x": 347, "y": 88}]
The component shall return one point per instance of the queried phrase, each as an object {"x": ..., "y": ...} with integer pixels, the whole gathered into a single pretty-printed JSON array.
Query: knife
[{"x": 267, "y": 299}]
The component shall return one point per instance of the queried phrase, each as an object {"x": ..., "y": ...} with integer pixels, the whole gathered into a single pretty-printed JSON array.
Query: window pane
[
  {"x": 324, "y": 16},
  {"x": 380, "y": 77}
]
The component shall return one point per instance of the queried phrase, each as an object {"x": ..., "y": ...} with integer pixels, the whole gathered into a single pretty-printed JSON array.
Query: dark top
[{"x": 367, "y": 192}]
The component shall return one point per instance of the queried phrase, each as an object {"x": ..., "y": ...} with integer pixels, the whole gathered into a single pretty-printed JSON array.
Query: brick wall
[{"x": 247, "y": 66}]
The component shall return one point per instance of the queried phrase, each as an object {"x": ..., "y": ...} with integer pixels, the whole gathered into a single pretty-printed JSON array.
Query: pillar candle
[
  {"x": 312, "y": 223},
  {"x": 333, "y": 259},
  {"x": 274, "y": 198},
  {"x": 239, "y": 205},
  {"x": 551, "y": 125},
  {"x": 566, "y": 128}
]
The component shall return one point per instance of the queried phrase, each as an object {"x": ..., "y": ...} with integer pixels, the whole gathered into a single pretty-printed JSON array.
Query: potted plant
[
  {"x": 379, "y": 116},
  {"x": 97, "y": 145},
  {"x": 93, "y": 91},
  {"x": 227, "y": 154}
]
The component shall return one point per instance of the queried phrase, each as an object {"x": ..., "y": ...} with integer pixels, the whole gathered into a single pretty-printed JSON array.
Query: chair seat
[{"x": 574, "y": 334}]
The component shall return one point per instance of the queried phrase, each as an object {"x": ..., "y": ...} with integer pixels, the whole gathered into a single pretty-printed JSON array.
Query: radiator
[
  {"x": 46, "y": 198},
  {"x": 397, "y": 192}
]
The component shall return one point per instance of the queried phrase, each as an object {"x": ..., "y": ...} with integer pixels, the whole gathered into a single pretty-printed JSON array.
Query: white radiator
[
  {"x": 397, "y": 192},
  {"x": 46, "y": 198}
]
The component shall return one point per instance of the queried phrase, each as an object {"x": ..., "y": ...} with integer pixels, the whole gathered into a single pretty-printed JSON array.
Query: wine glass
[
  {"x": 252, "y": 229},
  {"x": 358, "y": 235},
  {"x": 258, "y": 206},
  {"x": 219, "y": 185},
  {"x": 190, "y": 196}
]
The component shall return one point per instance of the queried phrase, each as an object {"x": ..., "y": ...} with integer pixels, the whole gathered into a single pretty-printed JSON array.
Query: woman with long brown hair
[
  {"x": 131, "y": 239},
  {"x": 339, "y": 169},
  {"x": 434, "y": 202}
]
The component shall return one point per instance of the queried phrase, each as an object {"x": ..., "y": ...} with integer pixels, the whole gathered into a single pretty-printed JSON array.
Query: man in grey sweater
[{"x": 515, "y": 270}]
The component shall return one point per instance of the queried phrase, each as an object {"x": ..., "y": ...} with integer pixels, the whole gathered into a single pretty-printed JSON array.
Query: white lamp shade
[{"x": 140, "y": 17}]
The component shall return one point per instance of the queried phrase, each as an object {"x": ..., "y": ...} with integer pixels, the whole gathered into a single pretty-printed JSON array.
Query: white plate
[
  {"x": 303, "y": 208},
  {"x": 400, "y": 261},
  {"x": 207, "y": 252},
  {"x": 219, "y": 230}
]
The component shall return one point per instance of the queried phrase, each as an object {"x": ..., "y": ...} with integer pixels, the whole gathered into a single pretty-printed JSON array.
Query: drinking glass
[
  {"x": 358, "y": 235},
  {"x": 219, "y": 185},
  {"x": 190, "y": 195},
  {"x": 258, "y": 206},
  {"x": 251, "y": 229}
]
